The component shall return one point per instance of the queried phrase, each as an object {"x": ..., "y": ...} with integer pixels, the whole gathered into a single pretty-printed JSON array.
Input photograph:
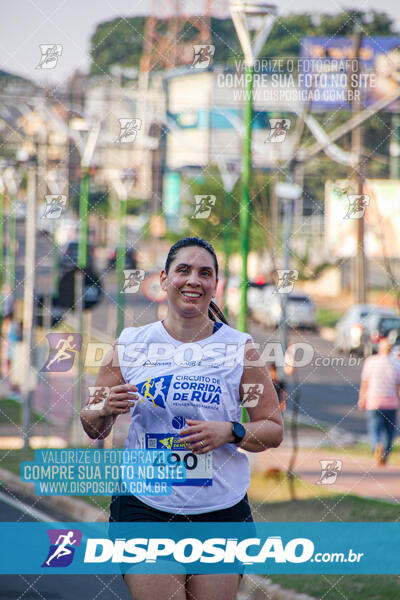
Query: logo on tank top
[
  {"x": 197, "y": 389},
  {"x": 155, "y": 390}
]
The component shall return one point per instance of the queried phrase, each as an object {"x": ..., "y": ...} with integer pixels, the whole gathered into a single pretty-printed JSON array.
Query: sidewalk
[{"x": 358, "y": 475}]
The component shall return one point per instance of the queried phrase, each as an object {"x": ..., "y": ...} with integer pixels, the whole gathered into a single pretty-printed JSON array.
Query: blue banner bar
[{"x": 264, "y": 548}]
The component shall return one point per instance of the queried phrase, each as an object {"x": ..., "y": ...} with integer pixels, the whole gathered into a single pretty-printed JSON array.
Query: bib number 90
[{"x": 190, "y": 460}]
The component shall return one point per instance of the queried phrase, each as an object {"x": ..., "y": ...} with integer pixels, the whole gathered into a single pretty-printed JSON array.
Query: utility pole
[
  {"x": 358, "y": 176},
  {"x": 120, "y": 261},
  {"x": 29, "y": 288},
  {"x": 12, "y": 180},
  {"x": 395, "y": 147},
  {"x": 289, "y": 192},
  {"x": 2, "y": 189}
]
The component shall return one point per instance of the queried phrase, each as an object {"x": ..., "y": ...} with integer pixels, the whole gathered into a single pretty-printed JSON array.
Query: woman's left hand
[{"x": 203, "y": 436}]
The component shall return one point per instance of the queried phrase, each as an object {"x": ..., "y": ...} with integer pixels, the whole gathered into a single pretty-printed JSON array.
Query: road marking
[{"x": 33, "y": 512}]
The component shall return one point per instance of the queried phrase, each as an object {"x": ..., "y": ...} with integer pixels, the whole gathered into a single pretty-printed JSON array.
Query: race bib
[{"x": 198, "y": 466}]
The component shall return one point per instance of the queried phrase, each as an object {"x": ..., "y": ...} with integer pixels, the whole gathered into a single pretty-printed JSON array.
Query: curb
[
  {"x": 72, "y": 507},
  {"x": 342, "y": 436}
]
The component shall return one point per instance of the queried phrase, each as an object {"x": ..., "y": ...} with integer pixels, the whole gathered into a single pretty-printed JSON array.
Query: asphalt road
[
  {"x": 328, "y": 386},
  {"x": 54, "y": 587}
]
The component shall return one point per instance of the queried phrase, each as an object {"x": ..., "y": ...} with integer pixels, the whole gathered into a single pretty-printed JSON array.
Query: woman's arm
[
  {"x": 98, "y": 423},
  {"x": 265, "y": 429},
  {"x": 362, "y": 394}
]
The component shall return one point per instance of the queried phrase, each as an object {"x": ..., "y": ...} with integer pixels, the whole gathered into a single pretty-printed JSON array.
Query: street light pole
[
  {"x": 289, "y": 192},
  {"x": 120, "y": 264},
  {"x": 245, "y": 206},
  {"x": 86, "y": 151},
  {"x": 122, "y": 187},
  {"x": 230, "y": 172},
  {"x": 80, "y": 297},
  {"x": 258, "y": 17}
]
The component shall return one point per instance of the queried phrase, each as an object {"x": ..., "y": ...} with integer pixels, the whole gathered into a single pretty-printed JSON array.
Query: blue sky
[{"x": 27, "y": 23}]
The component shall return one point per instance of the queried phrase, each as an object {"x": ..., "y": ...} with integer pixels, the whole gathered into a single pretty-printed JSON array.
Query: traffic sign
[
  {"x": 151, "y": 288},
  {"x": 288, "y": 191}
]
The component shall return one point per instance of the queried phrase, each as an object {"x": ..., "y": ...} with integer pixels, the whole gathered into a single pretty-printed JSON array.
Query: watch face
[{"x": 238, "y": 431}]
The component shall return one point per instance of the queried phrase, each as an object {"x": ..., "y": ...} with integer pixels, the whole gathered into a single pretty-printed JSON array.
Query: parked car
[
  {"x": 350, "y": 327},
  {"x": 69, "y": 255},
  {"x": 300, "y": 309},
  {"x": 130, "y": 258},
  {"x": 377, "y": 326}
]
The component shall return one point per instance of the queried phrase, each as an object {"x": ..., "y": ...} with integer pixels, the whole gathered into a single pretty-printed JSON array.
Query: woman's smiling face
[{"x": 191, "y": 281}]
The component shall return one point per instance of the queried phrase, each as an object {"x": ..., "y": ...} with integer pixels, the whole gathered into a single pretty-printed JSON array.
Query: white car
[
  {"x": 300, "y": 309},
  {"x": 349, "y": 330}
]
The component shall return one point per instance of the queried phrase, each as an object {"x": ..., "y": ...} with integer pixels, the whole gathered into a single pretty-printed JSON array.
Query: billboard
[
  {"x": 380, "y": 208},
  {"x": 328, "y": 71}
]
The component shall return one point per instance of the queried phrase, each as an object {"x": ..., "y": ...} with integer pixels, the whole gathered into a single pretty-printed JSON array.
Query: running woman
[{"x": 200, "y": 415}]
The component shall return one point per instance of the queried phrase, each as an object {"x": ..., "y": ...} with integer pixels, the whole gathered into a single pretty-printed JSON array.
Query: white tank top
[{"x": 176, "y": 380}]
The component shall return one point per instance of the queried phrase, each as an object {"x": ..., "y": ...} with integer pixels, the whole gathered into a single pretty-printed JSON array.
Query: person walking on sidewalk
[
  {"x": 379, "y": 396},
  {"x": 279, "y": 385}
]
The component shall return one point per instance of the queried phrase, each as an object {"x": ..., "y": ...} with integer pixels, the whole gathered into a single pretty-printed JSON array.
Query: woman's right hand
[{"x": 119, "y": 401}]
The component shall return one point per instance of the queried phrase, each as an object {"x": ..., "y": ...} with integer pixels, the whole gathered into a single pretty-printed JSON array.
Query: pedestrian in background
[
  {"x": 279, "y": 385},
  {"x": 379, "y": 396}
]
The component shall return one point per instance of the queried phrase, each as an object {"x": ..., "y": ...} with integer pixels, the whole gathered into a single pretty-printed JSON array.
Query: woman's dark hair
[{"x": 213, "y": 310}]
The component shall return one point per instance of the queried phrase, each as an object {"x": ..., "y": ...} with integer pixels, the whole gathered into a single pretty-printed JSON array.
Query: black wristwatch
[{"x": 238, "y": 432}]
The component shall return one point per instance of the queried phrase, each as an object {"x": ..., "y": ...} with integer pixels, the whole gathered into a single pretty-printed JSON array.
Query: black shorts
[{"x": 130, "y": 508}]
